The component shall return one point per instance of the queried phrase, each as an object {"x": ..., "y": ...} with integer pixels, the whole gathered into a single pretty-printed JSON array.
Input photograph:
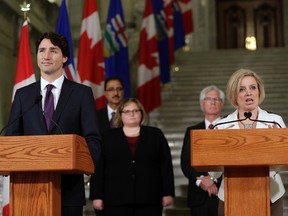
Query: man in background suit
[
  {"x": 203, "y": 187},
  {"x": 75, "y": 113},
  {"x": 114, "y": 93}
]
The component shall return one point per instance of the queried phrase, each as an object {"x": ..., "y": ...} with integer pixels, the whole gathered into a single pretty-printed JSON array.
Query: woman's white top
[{"x": 277, "y": 189}]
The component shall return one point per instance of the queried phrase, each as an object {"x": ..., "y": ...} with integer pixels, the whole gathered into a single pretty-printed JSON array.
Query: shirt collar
[
  {"x": 110, "y": 110},
  {"x": 207, "y": 123},
  {"x": 56, "y": 83}
]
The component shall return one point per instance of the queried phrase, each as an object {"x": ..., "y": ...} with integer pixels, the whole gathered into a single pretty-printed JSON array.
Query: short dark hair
[
  {"x": 113, "y": 78},
  {"x": 57, "y": 40}
]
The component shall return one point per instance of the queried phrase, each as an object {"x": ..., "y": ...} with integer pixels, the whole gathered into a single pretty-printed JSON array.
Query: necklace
[{"x": 247, "y": 126}]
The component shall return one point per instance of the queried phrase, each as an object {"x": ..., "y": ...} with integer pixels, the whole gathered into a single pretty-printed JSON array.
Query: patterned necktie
[
  {"x": 49, "y": 105},
  {"x": 112, "y": 125},
  {"x": 210, "y": 126}
]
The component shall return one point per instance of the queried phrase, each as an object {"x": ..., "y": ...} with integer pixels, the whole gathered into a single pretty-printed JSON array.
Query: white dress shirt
[{"x": 55, "y": 91}]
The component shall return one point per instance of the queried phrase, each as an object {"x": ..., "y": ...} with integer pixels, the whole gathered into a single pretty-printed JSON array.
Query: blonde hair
[
  {"x": 233, "y": 85},
  {"x": 118, "y": 120}
]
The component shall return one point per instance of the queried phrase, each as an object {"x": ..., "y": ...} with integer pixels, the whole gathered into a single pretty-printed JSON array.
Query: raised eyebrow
[
  {"x": 41, "y": 48},
  {"x": 50, "y": 48},
  {"x": 54, "y": 48},
  {"x": 253, "y": 85}
]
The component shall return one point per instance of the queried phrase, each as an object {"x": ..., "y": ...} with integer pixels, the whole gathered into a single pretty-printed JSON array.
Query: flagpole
[{"x": 24, "y": 76}]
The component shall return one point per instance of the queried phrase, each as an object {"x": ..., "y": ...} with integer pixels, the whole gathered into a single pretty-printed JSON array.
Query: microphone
[
  {"x": 249, "y": 114},
  {"x": 227, "y": 122},
  {"x": 36, "y": 102},
  {"x": 55, "y": 123}
]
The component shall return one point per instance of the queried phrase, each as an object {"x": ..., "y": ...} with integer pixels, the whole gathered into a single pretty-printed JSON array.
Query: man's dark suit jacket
[
  {"x": 196, "y": 196},
  {"x": 146, "y": 177},
  {"x": 75, "y": 114},
  {"x": 103, "y": 119},
  {"x": 104, "y": 124}
]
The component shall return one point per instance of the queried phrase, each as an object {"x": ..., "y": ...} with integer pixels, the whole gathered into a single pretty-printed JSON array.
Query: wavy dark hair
[{"x": 57, "y": 40}]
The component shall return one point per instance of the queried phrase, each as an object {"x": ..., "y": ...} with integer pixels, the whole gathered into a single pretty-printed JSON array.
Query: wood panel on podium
[
  {"x": 246, "y": 157},
  {"x": 35, "y": 165}
]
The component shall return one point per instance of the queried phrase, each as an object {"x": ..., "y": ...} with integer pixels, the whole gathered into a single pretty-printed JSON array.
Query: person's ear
[{"x": 65, "y": 59}]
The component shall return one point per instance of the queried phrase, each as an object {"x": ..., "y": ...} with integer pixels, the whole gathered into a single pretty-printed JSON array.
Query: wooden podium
[
  {"x": 246, "y": 157},
  {"x": 35, "y": 165}
]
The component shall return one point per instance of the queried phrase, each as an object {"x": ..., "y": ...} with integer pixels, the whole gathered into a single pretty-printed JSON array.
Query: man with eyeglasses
[
  {"x": 114, "y": 93},
  {"x": 203, "y": 187}
]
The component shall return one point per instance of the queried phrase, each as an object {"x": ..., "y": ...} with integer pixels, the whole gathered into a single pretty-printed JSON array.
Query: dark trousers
[
  {"x": 209, "y": 208},
  {"x": 72, "y": 211},
  {"x": 98, "y": 213},
  {"x": 133, "y": 210}
]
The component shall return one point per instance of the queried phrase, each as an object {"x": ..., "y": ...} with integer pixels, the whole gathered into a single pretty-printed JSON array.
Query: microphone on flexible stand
[
  {"x": 227, "y": 122},
  {"x": 36, "y": 102},
  {"x": 55, "y": 123},
  {"x": 249, "y": 114}
]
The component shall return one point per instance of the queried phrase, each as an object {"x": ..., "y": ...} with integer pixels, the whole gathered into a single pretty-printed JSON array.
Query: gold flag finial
[{"x": 25, "y": 7}]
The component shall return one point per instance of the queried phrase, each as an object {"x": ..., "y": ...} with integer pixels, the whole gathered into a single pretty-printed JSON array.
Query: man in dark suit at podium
[
  {"x": 67, "y": 108},
  {"x": 203, "y": 186},
  {"x": 114, "y": 93}
]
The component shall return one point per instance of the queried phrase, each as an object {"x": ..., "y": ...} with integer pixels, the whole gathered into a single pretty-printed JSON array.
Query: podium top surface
[
  {"x": 64, "y": 153},
  {"x": 216, "y": 149}
]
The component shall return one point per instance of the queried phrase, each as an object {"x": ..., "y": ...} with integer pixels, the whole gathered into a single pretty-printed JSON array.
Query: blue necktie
[{"x": 49, "y": 105}]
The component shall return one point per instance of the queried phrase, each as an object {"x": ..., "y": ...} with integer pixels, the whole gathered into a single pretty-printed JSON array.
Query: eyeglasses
[
  {"x": 210, "y": 99},
  {"x": 118, "y": 89},
  {"x": 129, "y": 112}
]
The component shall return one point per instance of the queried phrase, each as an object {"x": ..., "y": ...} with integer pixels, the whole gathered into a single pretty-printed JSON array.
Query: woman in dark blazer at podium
[
  {"x": 245, "y": 91},
  {"x": 135, "y": 173}
]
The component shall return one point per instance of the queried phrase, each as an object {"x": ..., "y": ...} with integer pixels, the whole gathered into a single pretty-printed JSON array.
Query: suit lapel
[
  {"x": 65, "y": 94},
  {"x": 39, "y": 111}
]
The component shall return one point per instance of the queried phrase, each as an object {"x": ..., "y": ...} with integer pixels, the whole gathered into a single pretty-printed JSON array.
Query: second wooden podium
[
  {"x": 35, "y": 165},
  {"x": 246, "y": 157}
]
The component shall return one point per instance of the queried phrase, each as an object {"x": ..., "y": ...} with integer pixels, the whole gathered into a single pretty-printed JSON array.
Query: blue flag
[
  {"x": 63, "y": 28},
  {"x": 163, "y": 43},
  {"x": 116, "y": 46},
  {"x": 179, "y": 36}
]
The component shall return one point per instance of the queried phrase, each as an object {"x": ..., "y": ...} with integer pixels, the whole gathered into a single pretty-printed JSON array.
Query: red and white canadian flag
[
  {"x": 187, "y": 16},
  {"x": 149, "y": 92},
  {"x": 24, "y": 76},
  {"x": 24, "y": 72},
  {"x": 90, "y": 65}
]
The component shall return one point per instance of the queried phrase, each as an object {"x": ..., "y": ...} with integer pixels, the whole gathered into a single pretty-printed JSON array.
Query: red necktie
[
  {"x": 49, "y": 105},
  {"x": 210, "y": 126}
]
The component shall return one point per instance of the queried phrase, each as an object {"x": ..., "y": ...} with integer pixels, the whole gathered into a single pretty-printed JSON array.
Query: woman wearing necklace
[
  {"x": 245, "y": 91},
  {"x": 135, "y": 174}
]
